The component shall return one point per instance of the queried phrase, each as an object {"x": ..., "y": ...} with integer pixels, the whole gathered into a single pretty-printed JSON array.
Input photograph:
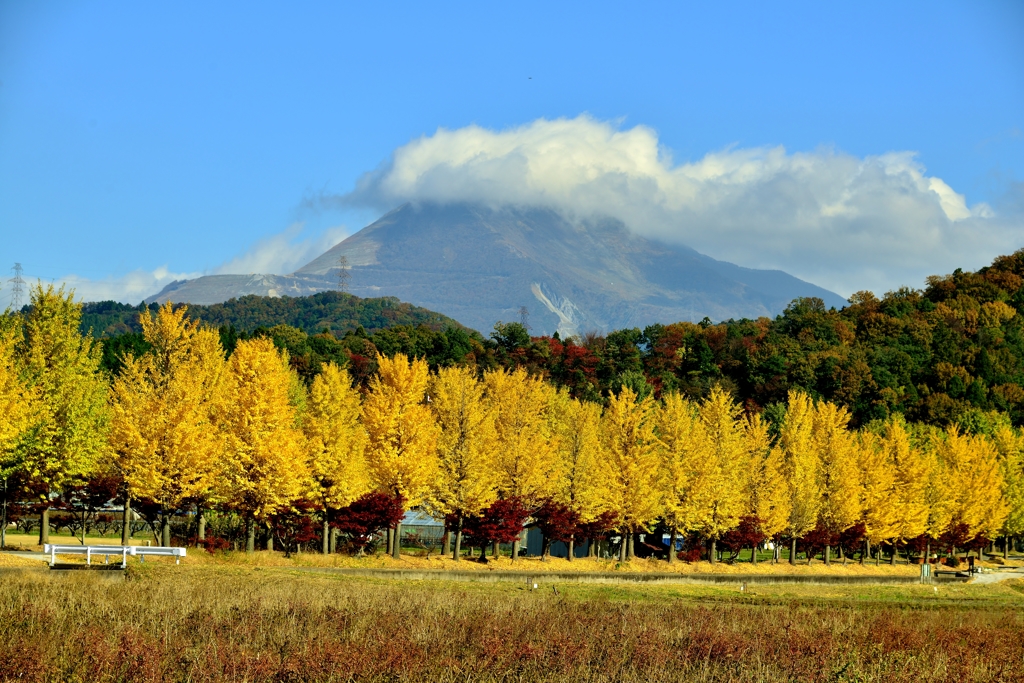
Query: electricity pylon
[{"x": 17, "y": 287}]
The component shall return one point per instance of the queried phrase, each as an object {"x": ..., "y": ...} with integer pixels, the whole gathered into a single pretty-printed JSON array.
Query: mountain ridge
[{"x": 479, "y": 265}]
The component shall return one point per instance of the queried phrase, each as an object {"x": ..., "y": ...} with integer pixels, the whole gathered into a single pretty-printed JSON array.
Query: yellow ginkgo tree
[
  {"x": 265, "y": 466},
  {"x": 800, "y": 467},
  {"x": 524, "y": 451},
  {"x": 401, "y": 450},
  {"x": 687, "y": 471},
  {"x": 765, "y": 486},
  {"x": 466, "y": 478},
  {"x": 631, "y": 460},
  {"x": 335, "y": 442},
  {"x": 579, "y": 485},
  {"x": 16, "y": 406},
  {"x": 165, "y": 408},
  {"x": 67, "y": 436},
  {"x": 838, "y": 480}
]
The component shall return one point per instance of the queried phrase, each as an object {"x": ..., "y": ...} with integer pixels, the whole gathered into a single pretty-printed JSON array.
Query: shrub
[
  {"x": 214, "y": 543},
  {"x": 691, "y": 554}
]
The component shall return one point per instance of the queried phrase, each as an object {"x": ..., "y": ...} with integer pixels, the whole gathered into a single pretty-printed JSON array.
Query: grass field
[{"x": 219, "y": 622}]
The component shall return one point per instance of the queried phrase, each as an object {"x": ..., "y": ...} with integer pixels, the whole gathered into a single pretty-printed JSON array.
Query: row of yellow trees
[{"x": 182, "y": 425}]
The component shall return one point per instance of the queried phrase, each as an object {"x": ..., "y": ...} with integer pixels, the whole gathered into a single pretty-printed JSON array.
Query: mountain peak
[{"x": 480, "y": 265}]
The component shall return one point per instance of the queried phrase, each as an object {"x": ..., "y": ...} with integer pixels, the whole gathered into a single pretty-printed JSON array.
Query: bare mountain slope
[{"x": 479, "y": 265}]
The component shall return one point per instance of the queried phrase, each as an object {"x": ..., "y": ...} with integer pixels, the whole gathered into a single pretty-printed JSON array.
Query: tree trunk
[
  {"x": 250, "y": 536},
  {"x": 713, "y": 551},
  {"x": 396, "y": 548},
  {"x": 446, "y": 543},
  {"x": 928, "y": 551},
  {"x": 828, "y": 556},
  {"x": 495, "y": 550},
  {"x": 334, "y": 540},
  {"x": 327, "y": 534},
  {"x": 165, "y": 530},
  {"x": 892, "y": 558},
  {"x": 126, "y": 520},
  {"x": 572, "y": 548},
  {"x": 591, "y": 548},
  {"x": 515, "y": 549},
  {"x": 631, "y": 550},
  {"x": 753, "y": 554},
  {"x": 457, "y": 553},
  {"x": 201, "y": 533},
  {"x": 866, "y": 553},
  {"x": 842, "y": 555},
  {"x": 391, "y": 540},
  {"x": 792, "y": 550},
  {"x": 44, "y": 524},
  {"x": 622, "y": 547},
  {"x": 672, "y": 547},
  {"x": 1006, "y": 546},
  {"x": 270, "y": 538}
]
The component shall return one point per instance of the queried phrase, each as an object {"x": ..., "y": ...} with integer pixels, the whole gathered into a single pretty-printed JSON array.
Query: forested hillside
[
  {"x": 946, "y": 354},
  {"x": 333, "y": 311}
]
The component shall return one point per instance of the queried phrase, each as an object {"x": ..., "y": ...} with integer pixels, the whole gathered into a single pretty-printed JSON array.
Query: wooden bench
[{"x": 91, "y": 551}]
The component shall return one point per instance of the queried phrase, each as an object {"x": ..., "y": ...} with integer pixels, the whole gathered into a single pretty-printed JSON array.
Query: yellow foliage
[
  {"x": 766, "y": 492},
  {"x": 16, "y": 404},
  {"x": 69, "y": 425},
  {"x": 401, "y": 451},
  {"x": 687, "y": 474},
  {"x": 728, "y": 464},
  {"x": 1009, "y": 444},
  {"x": 631, "y": 460},
  {"x": 524, "y": 453},
  {"x": 838, "y": 474},
  {"x": 580, "y": 486},
  {"x": 466, "y": 476},
  {"x": 910, "y": 469},
  {"x": 335, "y": 438},
  {"x": 878, "y": 477},
  {"x": 972, "y": 466},
  {"x": 800, "y": 464},
  {"x": 265, "y": 467},
  {"x": 164, "y": 407}
]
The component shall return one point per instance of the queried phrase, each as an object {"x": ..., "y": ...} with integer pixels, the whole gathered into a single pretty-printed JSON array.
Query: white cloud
[
  {"x": 278, "y": 254},
  {"x": 131, "y": 288},
  {"x": 844, "y": 222},
  {"x": 282, "y": 253}
]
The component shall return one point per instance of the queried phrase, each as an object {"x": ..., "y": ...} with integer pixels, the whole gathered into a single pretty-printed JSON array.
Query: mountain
[{"x": 480, "y": 265}]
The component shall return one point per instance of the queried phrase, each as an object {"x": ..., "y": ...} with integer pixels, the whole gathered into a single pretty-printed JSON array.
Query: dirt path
[{"x": 996, "y": 577}]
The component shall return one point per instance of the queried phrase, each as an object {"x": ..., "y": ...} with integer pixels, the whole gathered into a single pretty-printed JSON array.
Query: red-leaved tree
[
  {"x": 600, "y": 528},
  {"x": 556, "y": 522},
  {"x": 294, "y": 525},
  {"x": 502, "y": 522},
  {"x": 747, "y": 534},
  {"x": 368, "y": 516}
]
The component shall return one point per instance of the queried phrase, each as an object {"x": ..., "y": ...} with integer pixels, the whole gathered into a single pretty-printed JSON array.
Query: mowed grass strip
[{"x": 237, "y": 623}]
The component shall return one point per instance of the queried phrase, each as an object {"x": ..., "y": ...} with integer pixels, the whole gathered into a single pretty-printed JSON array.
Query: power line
[{"x": 17, "y": 288}]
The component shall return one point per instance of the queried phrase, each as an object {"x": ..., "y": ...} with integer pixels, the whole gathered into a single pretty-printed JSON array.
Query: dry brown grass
[
  {"x": 533, "y": 565},
  {"x": 217, "y": 623}
]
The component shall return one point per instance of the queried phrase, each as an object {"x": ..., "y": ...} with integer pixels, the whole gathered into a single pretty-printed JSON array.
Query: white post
[{"x": 88, "y": 556}]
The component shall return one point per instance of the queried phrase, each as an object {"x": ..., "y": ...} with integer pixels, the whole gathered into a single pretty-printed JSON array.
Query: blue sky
[{"x": 143, "y": 141}]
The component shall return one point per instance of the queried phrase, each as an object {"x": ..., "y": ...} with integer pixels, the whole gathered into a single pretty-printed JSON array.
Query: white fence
[{"x": 108, "y": 551}]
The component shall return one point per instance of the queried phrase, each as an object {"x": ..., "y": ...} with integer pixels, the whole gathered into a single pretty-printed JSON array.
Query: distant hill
[
  {"x": 334, "y": 311},
  {"x": 480, "y": 265}
]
